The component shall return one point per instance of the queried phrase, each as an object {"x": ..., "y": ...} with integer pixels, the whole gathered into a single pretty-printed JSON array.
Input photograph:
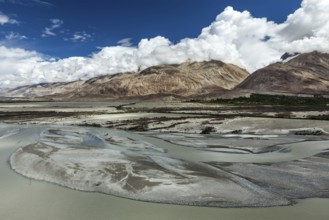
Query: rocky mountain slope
[
  {"x": 186, "y": 79},
  {"x": 300, "y": 73}
]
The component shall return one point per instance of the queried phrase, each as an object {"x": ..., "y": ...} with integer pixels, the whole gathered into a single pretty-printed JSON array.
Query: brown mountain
[
  {"x": 186, "y": 79},
  {"x": 301, "y": 73}
]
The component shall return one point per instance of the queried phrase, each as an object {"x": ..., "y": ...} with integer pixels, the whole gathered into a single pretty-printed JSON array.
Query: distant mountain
[
  {"x": 44, "y": 89},
  {"x": 186, "y": 79},
  {"x": 297, "y": 73}
]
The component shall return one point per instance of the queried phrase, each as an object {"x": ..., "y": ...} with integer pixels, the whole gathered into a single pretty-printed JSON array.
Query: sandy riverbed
[
  {"x": 244, "y": 162},
  {"x": 149, "y": 169}
]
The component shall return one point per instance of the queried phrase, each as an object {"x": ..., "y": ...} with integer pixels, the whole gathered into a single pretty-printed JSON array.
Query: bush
[{"x": 208, "y": 130}]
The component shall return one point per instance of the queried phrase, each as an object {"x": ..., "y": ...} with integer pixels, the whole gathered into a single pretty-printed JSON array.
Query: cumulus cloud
[
  {"x": 17, "y": 65},
  {"x": 307, "y": 29},
  {"x": 234, "y": 37},
  {"x": 50, "y": 31},
  {"x": 4, "y": 19}
]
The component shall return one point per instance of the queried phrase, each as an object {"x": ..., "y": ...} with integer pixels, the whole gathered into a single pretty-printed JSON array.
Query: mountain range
[
  {"x": 306, "y": 73},
  {"x": 183, "y": 80}
]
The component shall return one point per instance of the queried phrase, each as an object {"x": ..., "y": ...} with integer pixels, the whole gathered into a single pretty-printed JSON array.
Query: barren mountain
[
  {"x": 300, "y": 73},
  {"x": 44, "y": 89},
  {"x": 186, "y": 79}
]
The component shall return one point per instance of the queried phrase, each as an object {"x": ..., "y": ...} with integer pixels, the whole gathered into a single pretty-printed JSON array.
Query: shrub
[{"x": 208, "y": 130}]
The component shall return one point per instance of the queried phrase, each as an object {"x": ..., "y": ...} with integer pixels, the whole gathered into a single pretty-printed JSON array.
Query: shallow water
[
  {"x": 21, "y": 198},
  {"x": 295, "y": 151}
]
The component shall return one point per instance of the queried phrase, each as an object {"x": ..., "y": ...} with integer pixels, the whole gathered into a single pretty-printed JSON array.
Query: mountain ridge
[
  {"x": 305, "y": 73},
  {"x": 185, "y": 79}
]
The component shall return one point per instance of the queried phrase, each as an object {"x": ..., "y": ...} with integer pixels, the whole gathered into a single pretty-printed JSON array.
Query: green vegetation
[
  {"x": 260, "y": 99},
  {"x": 95, "y": 125}
]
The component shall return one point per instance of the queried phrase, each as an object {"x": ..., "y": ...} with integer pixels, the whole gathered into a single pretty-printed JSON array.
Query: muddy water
[
  {"x": 21, "y": 198},
  {"x": 295, "y": 151}
]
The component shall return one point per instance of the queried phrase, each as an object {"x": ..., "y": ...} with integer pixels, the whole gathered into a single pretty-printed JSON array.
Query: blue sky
[{"x": 85, "y": 25}]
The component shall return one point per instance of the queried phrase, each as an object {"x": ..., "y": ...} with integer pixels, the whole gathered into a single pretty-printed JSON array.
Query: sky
[{"x": 58, "y": 40}]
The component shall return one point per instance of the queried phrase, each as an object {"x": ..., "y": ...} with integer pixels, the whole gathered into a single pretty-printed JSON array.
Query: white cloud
[
  {"x": 15, "y": 36},
  {"x": 234, "y": 37},
  {"x": 50, "y": 31},
  {"x": 56, "y": 23},
  {"x": 79, "y": 37},
  {"x": 307, "y": 29},
  {"x": 27, "y": 2},
  {"x": 55, "y": 29},
  {"x": 4, "y": 19},
  {"x": 125, "y": 42},
  {"x": 17, "y": 65}
]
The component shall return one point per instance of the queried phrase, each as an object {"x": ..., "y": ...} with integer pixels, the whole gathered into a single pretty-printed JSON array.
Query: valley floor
[
  {"x": 162, "y": 116},
  {"x": 175, "y": 152}
]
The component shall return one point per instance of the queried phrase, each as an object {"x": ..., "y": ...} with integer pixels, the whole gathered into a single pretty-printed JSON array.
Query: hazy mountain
[
  {"x": 297, "y": 73},
  {"x": 44, "y": 89},
  {"x": 186, "y": 79}
]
